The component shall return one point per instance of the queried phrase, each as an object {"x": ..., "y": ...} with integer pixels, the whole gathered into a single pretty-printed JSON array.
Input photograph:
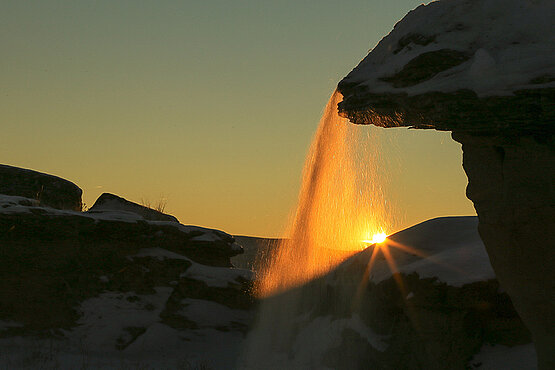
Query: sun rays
[{"x": 341, "y": 201}]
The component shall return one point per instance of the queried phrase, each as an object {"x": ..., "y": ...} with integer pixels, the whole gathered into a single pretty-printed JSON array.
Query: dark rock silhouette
[
  {"x": 112, "y": 202},
  {"x": 53, "y": 261},
  {"x": 501, "y": 108},
  {"x": 49, "y": 190}
]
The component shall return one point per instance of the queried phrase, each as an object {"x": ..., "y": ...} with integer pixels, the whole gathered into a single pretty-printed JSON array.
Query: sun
[{"x": 376, "y": 239}]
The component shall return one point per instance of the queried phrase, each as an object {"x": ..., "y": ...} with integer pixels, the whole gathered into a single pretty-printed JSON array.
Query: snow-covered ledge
[{"x": 485, "y": 70}]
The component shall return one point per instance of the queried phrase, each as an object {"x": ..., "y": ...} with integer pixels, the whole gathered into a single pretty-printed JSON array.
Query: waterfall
[{"x": 341, "y": 204}]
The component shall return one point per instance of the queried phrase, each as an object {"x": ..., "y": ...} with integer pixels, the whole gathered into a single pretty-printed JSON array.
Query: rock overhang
[{"x": 482, "y": 66}]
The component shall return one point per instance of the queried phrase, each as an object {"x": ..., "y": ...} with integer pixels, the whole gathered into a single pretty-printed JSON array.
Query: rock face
[
  {"x": 527, "y": 112},
  {"x": 112, "y": 202},
  {"x": 474, "y": 49},
  {"x": 511, "y": 182},
  {"x": 113, "y": 283},
  {"x": 50, "y": 191},
  {"x": 483, "y": 70}
]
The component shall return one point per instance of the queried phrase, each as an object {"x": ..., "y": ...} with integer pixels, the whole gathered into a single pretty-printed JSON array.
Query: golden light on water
[{"x": 341, "y": 203}]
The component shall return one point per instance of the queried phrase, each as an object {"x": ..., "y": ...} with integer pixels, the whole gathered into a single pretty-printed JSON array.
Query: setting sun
[{"x": 376, "y": 238}]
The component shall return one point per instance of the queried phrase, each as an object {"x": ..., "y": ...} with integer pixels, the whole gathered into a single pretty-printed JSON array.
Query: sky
[{"x": 206, "y": 106}]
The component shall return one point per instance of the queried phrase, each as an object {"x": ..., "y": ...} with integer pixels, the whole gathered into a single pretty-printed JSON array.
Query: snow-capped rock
[
  {"x": 485, "y": 70},
  {"x": 496, "y": 47},
  {"x": 111, "y": 202},
  {"x": 482, "y": 66},
  {"x": 108, "y": 289}
]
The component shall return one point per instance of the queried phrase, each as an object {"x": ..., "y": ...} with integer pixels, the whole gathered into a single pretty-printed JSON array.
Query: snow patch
[
  {"x": 210, "y": 314},
  {"x": 451, "y": 249},
  {"x": 106, "y": 317},
  {"x": 496, "y": 357},
  {"x": 220, "y": 277},
  {"x": 314, "y": 339},
  {"x": 510, "y": 42}
]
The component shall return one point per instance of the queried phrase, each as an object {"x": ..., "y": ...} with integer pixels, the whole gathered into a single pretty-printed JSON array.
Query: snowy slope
[
  {"x": 360, "y": 314},
  {"x": 450, "y": 249}
]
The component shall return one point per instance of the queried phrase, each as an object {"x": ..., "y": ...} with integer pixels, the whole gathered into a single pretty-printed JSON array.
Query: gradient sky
[{"x": 208, "y": 104}]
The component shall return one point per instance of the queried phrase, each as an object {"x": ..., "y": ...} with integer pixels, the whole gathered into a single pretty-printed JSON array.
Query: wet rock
[{"x": 49, "y": 190}]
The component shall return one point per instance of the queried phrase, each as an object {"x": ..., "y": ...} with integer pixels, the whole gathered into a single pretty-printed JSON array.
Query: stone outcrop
[
  {"x": 49, "y": 190},
  {"x": 53, "y": 262},
  {"x": 528, "y": 112},
  {"x": 497, "y": 96},
  {"x": 439, "y": 310},
  {"x": 111, "y": 202},
  {"x": 509, "y": 158},
  {"x": 511, "y": 181}
]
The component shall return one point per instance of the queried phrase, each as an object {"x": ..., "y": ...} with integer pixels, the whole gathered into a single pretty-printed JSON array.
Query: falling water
[{"x": 341, "y": 204}]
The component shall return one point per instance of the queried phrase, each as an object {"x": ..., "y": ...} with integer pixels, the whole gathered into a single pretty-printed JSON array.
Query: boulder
[
  {"x": 111, "y": 202},
  {"x": 482, "y": 67},
  {"x": 49, "y": 190},
  {"x": 483, "y": 70}
]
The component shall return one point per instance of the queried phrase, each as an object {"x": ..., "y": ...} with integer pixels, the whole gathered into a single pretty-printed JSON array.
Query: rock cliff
[{"x": 483, "y": 70}]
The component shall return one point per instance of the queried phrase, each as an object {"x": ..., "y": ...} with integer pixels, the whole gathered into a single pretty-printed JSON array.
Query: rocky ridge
[
  {"x": 48, "y": 190},
  {"x": 111, "y": 282}
]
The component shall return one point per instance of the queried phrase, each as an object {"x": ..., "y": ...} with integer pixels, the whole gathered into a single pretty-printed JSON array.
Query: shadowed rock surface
[
  {"x": 112, "y": 202},
  {"x": 500, "y": 105},
  {"x": 55, "y": 264},
  {"x": 49, "y": 190},
  {"x": 527, "y": 112},
  {"x": 441, "y": 309}
]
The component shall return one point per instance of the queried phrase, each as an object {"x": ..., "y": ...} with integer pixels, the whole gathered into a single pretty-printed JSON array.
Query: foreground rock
[
  {"x": 111, "y": 202},
  {"x": 109, "y": 289},
  {"x": 483, "y": 70},
  {"x": 440, "y": 308},
  {"x": 50, "y": 191}
]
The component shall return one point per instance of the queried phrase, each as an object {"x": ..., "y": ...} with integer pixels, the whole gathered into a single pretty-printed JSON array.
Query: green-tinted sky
[{"x": 210, "y": 104}]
